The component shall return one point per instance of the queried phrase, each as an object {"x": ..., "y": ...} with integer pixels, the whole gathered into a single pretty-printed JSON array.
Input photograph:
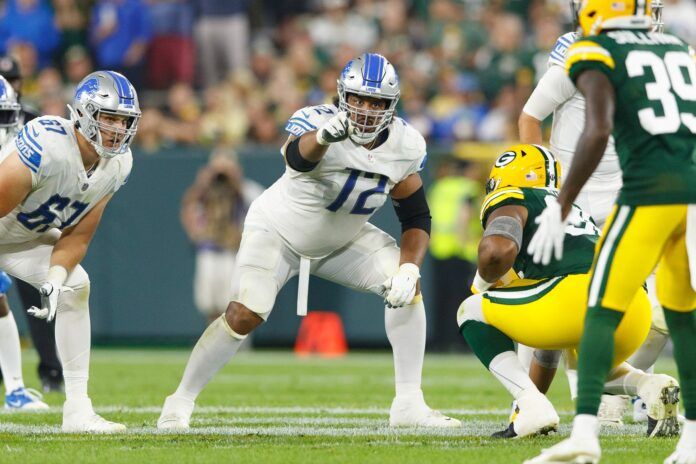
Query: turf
[{"x": 273, "y": 407}]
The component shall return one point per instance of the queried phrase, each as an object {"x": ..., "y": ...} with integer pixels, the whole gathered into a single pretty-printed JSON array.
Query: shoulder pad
[
  {"x": 498, "y": 198},
  {"x": 309, "y": 118},
  {"x": 42, "y": 141},
  {"x": 588, "y": 50},
  {"x": 560, "y": 49},
  {"x": 412, "y": 142}
]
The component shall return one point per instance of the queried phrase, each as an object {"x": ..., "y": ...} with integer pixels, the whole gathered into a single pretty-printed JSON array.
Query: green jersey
[
  {"x": 654, "y": 77},
  {"x": 580, "y": 239}
]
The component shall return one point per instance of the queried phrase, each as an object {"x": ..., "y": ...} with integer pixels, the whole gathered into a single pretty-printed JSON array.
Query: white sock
[
  {"x": 585, "y": 426},
  {"x": 623, "y": 380},
  {"x": 507, "y": 368},
  {"x": 73, "y": 340},
  {"x": 213, "y": 350},
  {"x": 688, "y": 436},
  {"x": 570, "y": 359},
  {"x": 525, "y": 354},
  {"x": 649, "y": 351},
  {"x": 10, "y": 354},
  {"x": 405, "y": 329}
]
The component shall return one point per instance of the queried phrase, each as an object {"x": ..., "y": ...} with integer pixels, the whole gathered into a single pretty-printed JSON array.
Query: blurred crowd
[{"x": 230, "y": 72}]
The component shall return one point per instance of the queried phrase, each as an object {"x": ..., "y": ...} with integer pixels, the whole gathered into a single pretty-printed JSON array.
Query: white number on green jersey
[{"x": 670, "y": 78}]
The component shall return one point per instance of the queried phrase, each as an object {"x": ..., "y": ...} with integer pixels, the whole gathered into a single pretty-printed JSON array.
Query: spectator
[
  {"x": 29, "y": 22},
  {"x": 76, "y": 64},
  {"x": 171, "y": 56},
  {"x": 120, "y": 32},
  {"x": 222, "y": 36},
  {"x": 337, "y": 25}
]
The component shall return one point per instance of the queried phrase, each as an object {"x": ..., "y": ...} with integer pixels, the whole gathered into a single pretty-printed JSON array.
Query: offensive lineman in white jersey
[
  {"x": 16, "y": 396},
  {"x": 341, "y": 165},
  {"x": 57, "y": 178},
  {"x": 555, "y": 93}
]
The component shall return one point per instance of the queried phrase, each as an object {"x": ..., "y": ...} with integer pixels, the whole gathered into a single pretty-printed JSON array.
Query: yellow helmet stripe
[
  {"x": 497, "y": 196},
  {"x": 549, "y": 163}
]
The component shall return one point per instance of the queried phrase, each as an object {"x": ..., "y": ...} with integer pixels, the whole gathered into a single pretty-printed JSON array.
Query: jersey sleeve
[
  {"x": 34, "y": 144},
  {"x": 124, "y": 170},
  {"x": 588, "y": 54},
  {"x": 501, "y": 197},
  {"x": 414, "y": 147},
  {"x": 559, "y": 51},
  {"x": 553, "y": 89},
  {"x": 309, "y": 119}
]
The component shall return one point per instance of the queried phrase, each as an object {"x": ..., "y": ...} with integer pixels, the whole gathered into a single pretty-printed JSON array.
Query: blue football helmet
[
  {"x": 106, "y": 93},
  {"x": 369, "y": 75},
  {"x": 9, "y": 111}
]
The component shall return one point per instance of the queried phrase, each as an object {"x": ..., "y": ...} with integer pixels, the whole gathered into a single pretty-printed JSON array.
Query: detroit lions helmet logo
[{"x": 90, "y": 86}]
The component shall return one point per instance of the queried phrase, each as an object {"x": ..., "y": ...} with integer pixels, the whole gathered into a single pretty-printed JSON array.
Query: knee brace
[
  {"x": 77, "y": 297},
  {"x": 547, "y": 358},
  {"x": 471, "y": 309}
]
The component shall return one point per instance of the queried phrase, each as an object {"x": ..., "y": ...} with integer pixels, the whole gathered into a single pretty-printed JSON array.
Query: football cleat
[
  {"x": 612, "y": 409},
  {"x": 79, "y": 417},
  {"x": 573, "y": 450},
  {"x": 661, "y": 395},
  {"x": 532, "y": 414},
  {"x": 640, "y": 412},
  {"x": 24, "y": 399},
  {"x": 176, "y": 413},
  {"x": 411, "y": 411},
  {"x": 684, "y": 454}
]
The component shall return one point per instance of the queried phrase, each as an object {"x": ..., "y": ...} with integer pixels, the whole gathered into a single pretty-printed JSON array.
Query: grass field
[{"x": 272, "y": 407}]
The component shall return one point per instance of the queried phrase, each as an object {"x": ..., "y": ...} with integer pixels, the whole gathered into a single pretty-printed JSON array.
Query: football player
[
  {"x": 556, "y": 93},
  {"x": 640, "y": 85},
  {"x": 16, "y": 396},
  {"x": 57, "y": 178},
  {"x": 542, "y": 306},
  {"x": 342, "y": 164}
]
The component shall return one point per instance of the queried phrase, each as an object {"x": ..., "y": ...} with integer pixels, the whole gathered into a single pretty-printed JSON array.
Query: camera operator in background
[{"x": 212, "y": 213}]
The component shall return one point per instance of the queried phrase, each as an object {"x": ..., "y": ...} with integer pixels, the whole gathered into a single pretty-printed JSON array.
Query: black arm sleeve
[
  {"x": 413, "y": 211},
  {"x": 295, "y": 159}
]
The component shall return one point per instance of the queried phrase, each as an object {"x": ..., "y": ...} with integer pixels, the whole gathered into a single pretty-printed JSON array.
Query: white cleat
[
  {"x": 411, "y": 411},
  {"x": 176, "y": 413},
  {"x": 79, "y": 417},
  {"x": 612, "y": 409},
  {"x": 661, "y": 395},
  {"x": 640, "y": 412},
  {"x": 584, "y": 450},
  {"x": 24, "y": 399},
  {"x": 682, "y": 455},
  {"x": 533, "y": 414}
]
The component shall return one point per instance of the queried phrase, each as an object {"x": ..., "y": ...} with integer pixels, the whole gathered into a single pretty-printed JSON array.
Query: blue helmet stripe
[
  {"x": 124, "y": 88},
  {"x": 372, "y": 75}
]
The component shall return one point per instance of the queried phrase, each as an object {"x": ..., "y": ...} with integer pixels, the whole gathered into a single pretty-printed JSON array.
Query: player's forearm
[
  {"x": 310, "y": 149},
  {"x": 414, "y": 245},
  {"x": 69, "y": 251},
  {"x": 530, "y": 129},
  {"x": 496, "y": 255}
]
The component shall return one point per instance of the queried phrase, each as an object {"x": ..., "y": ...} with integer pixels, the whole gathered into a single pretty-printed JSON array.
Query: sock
[
  {"x": 525, "y": 354},
  {"x": 213, "y": 350},
  {"x": 10, "y": 354},
  {"x": 649, "y": 351},
  {"x": 486, "y": 341},
  {"x": 73, "y": 340},
  {"x": 585, "y": 427},
  {"x": 688, "y": 436},
  {"x": 405, "y": 329},
  {"x": 507, "y": 368},
  {"x": 682, "y": 328},
  {"x": 595, "y": 357},
  {"x": 570, "y": 358},
  {"x": 623, "y": 380}
]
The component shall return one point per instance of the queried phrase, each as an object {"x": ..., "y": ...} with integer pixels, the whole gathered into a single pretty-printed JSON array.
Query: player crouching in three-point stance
[
  {"x": 341, "y": 165},
  {"x": 642, "y": 86},
  {"x": 56, "y": 179},
  {"x": 541, "y": 306}
]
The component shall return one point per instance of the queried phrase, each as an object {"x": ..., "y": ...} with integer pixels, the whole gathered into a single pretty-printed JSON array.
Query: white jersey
[
  {"x": 61, "y": 192},
  {"x": 556, "y": 93},
  {"x": 319, "y": 211}
]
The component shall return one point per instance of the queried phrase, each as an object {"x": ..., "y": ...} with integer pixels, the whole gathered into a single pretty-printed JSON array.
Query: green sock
[
  {"x": 486, "y": 341},
  {"x": 595, "y": 356},
  {"x": 682, "y": 328}
]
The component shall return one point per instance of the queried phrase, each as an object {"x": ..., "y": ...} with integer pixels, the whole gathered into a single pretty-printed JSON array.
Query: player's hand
[
  {"x": 334, "y": 130},
  {"x": 550, "y": 233},
  {"x": 49, "y": 302},
  {"x": 401, "y": 288},
  {"x": 479, "y": 285}
]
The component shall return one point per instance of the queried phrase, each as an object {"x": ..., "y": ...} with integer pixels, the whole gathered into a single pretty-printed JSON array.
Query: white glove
[
  {"x": 401, "y": 288},
  {"x": 550, "y": 233},
  {"x": 49, "y": 292},
  {"x": 336, "y": 129},
  {"x": 479, "y": 285}
]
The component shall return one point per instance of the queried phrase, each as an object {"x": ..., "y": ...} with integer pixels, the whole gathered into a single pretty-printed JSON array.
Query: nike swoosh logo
[
  {"x": 34, "y": 132},
  {"x": 14, "y": 404}
]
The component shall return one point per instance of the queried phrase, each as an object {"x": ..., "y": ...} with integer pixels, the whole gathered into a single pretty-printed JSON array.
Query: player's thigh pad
[
  {"x": 264, "y": 265},
  {"x": 364, "y": 264},
  {"x": 628, "y": 251},
  {"x": 673, "y": 278},
  {"x": 471, "y": 309}
]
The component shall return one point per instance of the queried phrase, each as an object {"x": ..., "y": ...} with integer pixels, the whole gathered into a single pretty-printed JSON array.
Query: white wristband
[
  {"x": 57, "y": 276},
  {"x": 480, "y": 284}
]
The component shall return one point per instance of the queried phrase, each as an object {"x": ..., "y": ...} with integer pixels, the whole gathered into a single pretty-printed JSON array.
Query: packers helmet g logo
[
  {"x": 524, "y": 165},
  {"x": 505, "y": 159}
]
